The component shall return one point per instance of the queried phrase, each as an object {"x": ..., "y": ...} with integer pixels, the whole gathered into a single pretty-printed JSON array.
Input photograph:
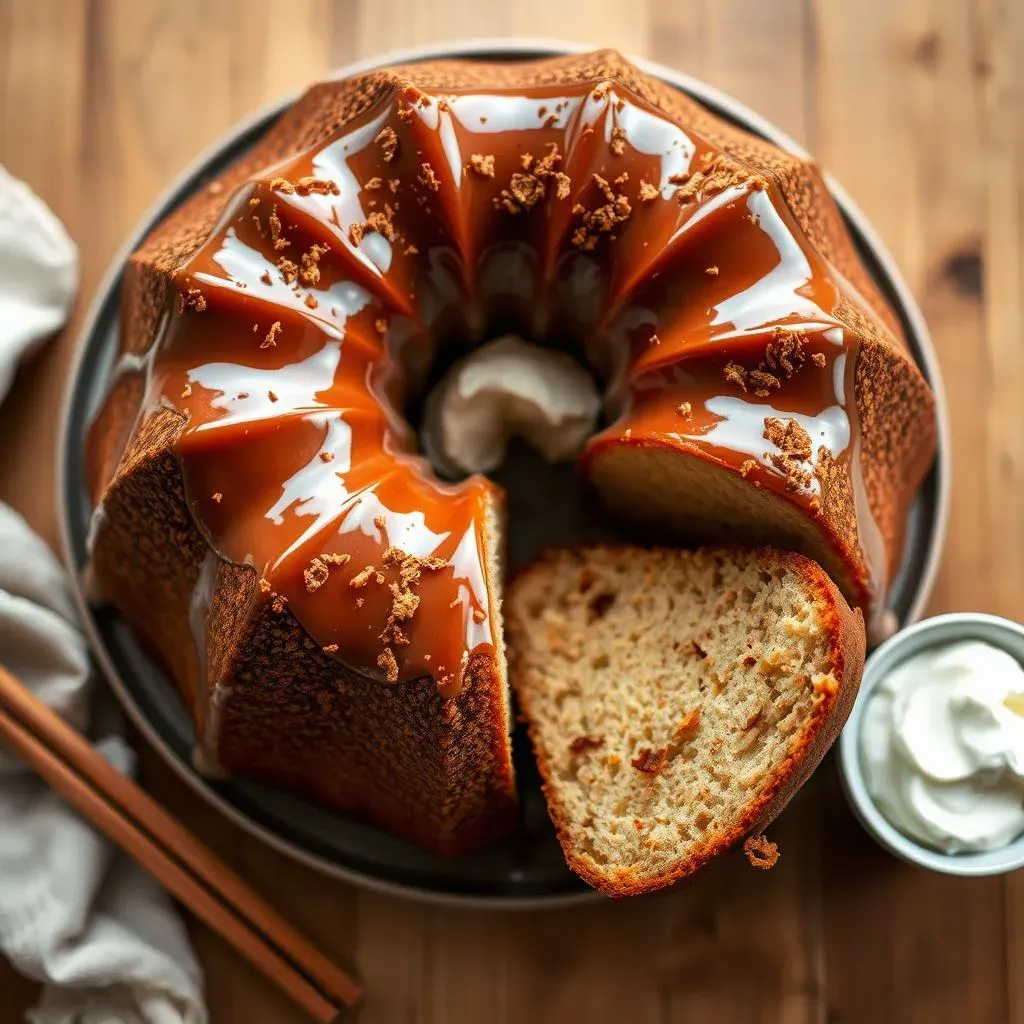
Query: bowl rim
[
  {"x": 479, "y": 48},
  {"x": 948, "y": 628}
]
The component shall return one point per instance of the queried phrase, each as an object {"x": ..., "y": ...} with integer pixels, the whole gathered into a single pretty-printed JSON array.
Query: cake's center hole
[{"x": 508, "y": 388}]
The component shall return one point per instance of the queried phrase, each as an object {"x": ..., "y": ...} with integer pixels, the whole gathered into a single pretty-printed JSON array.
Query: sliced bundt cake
[
  {"x": 329, "y": 608},
  {"x": 676, "y": 699}
]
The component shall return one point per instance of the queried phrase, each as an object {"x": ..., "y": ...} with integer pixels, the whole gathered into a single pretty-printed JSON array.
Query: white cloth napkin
[
  {"x": 38, "y": 274},
  {"x": 75, "y": 914}
]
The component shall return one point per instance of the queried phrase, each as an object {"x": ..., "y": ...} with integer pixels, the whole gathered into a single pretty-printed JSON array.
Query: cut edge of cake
[{"x": 676, "y": 699}]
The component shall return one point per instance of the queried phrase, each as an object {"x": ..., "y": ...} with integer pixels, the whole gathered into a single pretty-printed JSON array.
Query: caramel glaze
[{"x": 301, "y": 329}]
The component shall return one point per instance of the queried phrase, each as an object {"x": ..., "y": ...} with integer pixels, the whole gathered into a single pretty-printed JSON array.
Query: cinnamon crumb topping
[
  {"x": 618, "y": 140},
  {"x": 330, "y": 649},
  {"x": 327, "y": 456},
  {"x": 387, "y": 139},
  {"x": 217, "y": 496},
  {"x": 194, "y": 298},
  {"x": 387, "y": 661},
  {"x": 186, "y": 391},
  {"x": 378, "y": 220},
  {"x": 818, "y": 358},
  {"x": 316, "y": 186},
  {"x": 759, "y": 381},
  {"x": 483, "y": 165},
  {"x": 362, "y": 577},
  {"x": 795, "y": 449},
  {"x": 602, "y": 219},
  {"x": 264, "y": 585},
  {"x": 763, "y": 383},
  {"x": 404, "y": 600},
  {"x": 719, "y": 173},
  {"x": 316, "y": 575},
  {"x": 310, "y": 272},
  {"x": 784, "y": 352},
  {"x": 289, "y": 271},
  {"x": 788, "y": 436},
  {"x": 282, "y": 185},
  {"x": 275, "y": 229},
  {"x": 373, "y": 184},
  {"x": 428, "y": 178},
  {"x": 529, "y": 187},
  {"x": 270, "y": 341},
  {"x": 523, "y": 193},
  {"x": 685, "y": 410},
  {"x": 311, "y": 301},
  {"x": 747, "y": 467},
  {"x": 278, "y": 603},
  {"x": 648, "y": 192},
  {"x": 380, "y": 325},
  {"x": 761, "y": 852},
  {"x": 712, "y": 271},
  {"x": 405, "y": 603},
  {"x": 735, "y": 374},
  {"x": 381, "y": 222}
]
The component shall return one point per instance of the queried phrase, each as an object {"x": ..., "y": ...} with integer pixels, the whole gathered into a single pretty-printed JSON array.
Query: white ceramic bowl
[{"x": 942, "y": 629}]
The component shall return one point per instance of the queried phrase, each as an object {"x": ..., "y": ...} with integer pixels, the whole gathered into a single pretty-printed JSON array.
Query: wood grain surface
[{"x": 917, "y": 107}]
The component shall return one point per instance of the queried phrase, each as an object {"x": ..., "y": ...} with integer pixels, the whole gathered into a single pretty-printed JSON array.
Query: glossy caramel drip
[{"x": 305, "y": 324}]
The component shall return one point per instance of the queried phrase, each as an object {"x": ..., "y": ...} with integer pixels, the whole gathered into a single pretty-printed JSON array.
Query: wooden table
[{"x": 917, "y": 106}]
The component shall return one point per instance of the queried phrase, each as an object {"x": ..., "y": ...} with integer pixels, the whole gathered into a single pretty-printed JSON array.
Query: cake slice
[{"x": 676, "y": 699}]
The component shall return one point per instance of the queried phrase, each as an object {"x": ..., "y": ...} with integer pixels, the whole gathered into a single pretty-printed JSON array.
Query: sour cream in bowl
[{"x": 932, "y": 757}]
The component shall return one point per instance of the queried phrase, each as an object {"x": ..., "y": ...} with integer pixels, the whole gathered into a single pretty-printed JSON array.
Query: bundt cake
[{"x": 329, "y": 608}]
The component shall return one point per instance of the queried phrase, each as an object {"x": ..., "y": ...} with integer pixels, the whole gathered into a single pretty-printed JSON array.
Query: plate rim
[{"x": 503, "y": 48}]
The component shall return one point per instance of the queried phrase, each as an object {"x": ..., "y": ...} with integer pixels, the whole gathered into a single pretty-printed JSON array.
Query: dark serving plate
[{"x": 526, "y": 869}]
